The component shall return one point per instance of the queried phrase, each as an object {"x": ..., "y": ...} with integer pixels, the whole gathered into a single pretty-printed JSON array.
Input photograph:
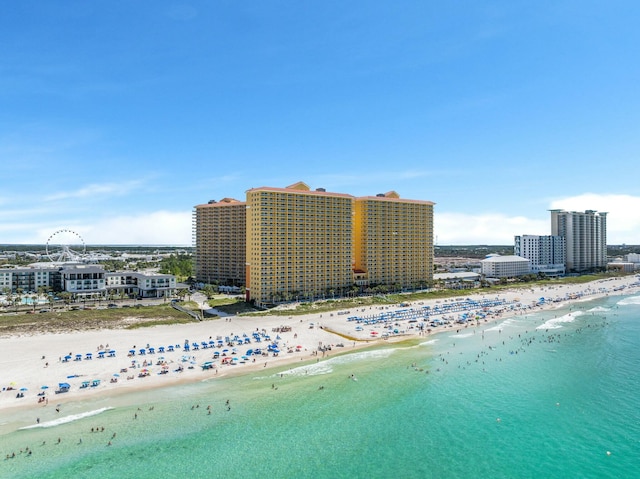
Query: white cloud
[
  {"x": 623, "y": 219},
  {"x": 491, "y": 228},
  {"x": 96, "y": 189},
  {"x": 174, "y": 227},
  {"x": 158, "y": 227}
]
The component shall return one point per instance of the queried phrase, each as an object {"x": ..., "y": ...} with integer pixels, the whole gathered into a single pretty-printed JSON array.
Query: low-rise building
[
  {"x": 497, "y": 266},
  {"x": 141, "y": 285},
  {"x": 86, "y": 281}
]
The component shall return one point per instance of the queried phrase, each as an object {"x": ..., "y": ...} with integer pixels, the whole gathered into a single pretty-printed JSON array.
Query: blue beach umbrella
[{"x": 44, "y": 387}]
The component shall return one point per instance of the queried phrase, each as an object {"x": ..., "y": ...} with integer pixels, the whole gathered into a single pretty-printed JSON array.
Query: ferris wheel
[{"x": 65, "y": 246}]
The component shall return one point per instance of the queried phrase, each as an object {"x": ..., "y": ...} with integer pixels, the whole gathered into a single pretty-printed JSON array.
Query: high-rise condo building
[
  {"x": 304, "y": 244},
  {"x": 299, "y": 243},
  {"x": 585, "y": 236},
  {"x": 393, "y": 241},
  {"x": 545, "y": 253},
  {"x": 219, "y": 236}
]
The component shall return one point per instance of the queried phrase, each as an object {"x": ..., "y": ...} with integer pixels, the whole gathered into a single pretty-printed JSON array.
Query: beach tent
[{"x": 63, "y": 388}]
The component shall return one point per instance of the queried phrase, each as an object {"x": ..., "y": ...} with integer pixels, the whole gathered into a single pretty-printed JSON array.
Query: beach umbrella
[{"x": 44, "y": 387}]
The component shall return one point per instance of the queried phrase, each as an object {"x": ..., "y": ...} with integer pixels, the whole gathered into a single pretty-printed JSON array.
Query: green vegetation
[
  {"x": 180, "y": 265},
  {"x": 82, "y": 320},
  {"x": 231, "y": 306}
]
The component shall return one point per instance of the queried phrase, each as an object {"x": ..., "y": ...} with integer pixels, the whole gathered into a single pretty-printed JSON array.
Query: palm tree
[
  {"x": 17, "y": 300},
  {"x": 181, "y": 293},
  {"x": 66, "y": 297}
]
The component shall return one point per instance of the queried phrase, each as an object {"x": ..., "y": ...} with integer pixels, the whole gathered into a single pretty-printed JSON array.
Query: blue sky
[{"x": 118, "y": 117}]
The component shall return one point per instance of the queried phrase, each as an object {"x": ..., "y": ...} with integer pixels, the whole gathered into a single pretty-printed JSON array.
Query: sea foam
[
  {"x": 326, "y": 367},
  {"x": 465, "y": 335},
  {"x": 501, "y": 326},
  {"x": 630, "y": 301},
  {"x": 67, "y": 419},
  {"x": 556, "y": 323}
]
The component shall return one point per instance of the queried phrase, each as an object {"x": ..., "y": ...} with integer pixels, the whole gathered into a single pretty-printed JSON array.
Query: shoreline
[{"x": 23, "y": 357}]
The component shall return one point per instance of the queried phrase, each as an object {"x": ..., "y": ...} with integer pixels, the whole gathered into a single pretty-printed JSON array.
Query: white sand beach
[{"x": 33, "y": 366}]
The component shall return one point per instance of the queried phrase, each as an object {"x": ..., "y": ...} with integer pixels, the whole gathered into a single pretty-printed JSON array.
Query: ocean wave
[
  {"x": 429, "y": 343},
  {"x": 556, "y": 323},
  {"x": 326, "y": 367},
  {"x": 501, "y": 326},
  {"x": 630, "y": 301},
  {"x": 465, "y": 335},
  {"x": 599, "y": 309},
  {"x": 67, "y": 419}
]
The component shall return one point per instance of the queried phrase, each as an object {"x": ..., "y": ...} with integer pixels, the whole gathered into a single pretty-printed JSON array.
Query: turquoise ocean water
[{"x": 549, "y": 395}]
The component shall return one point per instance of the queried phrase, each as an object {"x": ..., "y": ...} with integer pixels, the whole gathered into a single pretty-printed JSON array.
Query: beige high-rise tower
[
  {"x": 219, "y": 233},
  {"x": 299, "y": 243},
  {"x": 393, "y": 241}
]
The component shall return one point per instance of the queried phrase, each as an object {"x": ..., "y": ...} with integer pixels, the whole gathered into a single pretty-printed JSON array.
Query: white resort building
[
  {"x": 496, "y": 266},
  {"x": 86, "y": 281},
  {"x": 545, "y": 253}
]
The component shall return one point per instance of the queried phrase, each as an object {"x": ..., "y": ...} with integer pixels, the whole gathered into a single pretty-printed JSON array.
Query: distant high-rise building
[
  {"x": 219, "y": 236},
  {"x": 585, "y": 236},
  {"x": 545, "y": 253}
]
